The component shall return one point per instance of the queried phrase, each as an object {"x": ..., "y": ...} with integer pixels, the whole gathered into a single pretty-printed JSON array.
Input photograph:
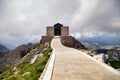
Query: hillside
[
  {"x": 25, "y": 63},
  {"x": 3, "y": 50},
  {"x": 14, "y": 56}
]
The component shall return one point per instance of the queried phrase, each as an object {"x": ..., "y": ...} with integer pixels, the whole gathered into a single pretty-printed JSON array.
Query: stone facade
[
  {"x": 50, "y": 31},
  {"x": 65, "y": 31}
]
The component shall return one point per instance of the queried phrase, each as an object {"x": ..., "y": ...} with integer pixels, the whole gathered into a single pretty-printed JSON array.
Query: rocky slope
[
  {"x": 70, "y": 41},
  {"x": 14, "y": 56},
  {"x": 30, "y": 62}
]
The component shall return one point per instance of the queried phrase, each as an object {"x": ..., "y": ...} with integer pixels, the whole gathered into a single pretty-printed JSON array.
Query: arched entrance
[{"x": 57, "y": 29}]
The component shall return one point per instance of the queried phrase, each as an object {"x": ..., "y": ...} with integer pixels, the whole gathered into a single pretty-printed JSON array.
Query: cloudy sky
[{"x": 23, "y": 21}]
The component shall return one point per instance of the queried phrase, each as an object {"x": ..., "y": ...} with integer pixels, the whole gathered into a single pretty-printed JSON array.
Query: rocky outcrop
[
  {"x": 45, "y": 39},
  {"x": 70, "y": 41},
  {"x": 14, "y": 56}
]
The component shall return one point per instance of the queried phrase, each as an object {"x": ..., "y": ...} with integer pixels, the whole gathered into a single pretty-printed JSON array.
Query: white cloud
[
  {"x": 89, "y": 34},
  {"x": 76, "y": 35}
]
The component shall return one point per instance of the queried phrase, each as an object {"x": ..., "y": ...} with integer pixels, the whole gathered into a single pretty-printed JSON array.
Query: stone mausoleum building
[
  {"x": 57, "y": 30},
  {"x": 62, "y": 32}
]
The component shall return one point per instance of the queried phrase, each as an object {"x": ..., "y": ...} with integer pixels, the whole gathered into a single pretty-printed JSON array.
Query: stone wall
[
  {"x": 64, "y": 31},
  {"x": 50, "y": 31}
]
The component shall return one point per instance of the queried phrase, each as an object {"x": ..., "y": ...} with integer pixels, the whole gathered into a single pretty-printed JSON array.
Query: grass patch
[
  {"x": 40, "y": 47},
  {"x": 6, "y": 74}
]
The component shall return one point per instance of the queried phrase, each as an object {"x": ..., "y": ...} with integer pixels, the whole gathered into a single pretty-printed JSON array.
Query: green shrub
[{"x": 115, "y": 63}]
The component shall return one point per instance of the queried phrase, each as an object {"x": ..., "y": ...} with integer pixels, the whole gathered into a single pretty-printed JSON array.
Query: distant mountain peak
[{"x": 3, "y": 50}]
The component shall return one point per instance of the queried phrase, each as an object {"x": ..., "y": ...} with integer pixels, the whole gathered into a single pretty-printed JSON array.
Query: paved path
[{"x": 71, "y": 64}]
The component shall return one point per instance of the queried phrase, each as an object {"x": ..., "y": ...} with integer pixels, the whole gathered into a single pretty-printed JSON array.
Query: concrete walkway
[{"x": 71, "y": 64}]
